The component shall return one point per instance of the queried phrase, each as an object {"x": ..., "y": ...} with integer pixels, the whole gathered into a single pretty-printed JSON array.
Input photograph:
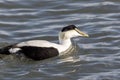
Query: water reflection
[{"x": 96, "y": 57}]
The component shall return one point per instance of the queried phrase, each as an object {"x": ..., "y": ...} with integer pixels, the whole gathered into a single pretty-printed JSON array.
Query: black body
[
  {"x": 39, "y": 53},
  {"x": 35, "y": 53}
]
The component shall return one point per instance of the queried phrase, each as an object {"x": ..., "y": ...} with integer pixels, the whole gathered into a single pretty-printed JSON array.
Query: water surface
[{"x": 95, "y": 58}]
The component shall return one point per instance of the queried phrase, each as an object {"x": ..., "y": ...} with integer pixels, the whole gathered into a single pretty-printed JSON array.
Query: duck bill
[{"x": 81, "y": 33}]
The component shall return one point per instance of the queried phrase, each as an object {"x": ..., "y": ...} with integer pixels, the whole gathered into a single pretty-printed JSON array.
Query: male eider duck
[{"x": 42, "y": 49}]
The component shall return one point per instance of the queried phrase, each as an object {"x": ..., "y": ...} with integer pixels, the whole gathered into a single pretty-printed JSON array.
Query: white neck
[
  {"x": 64, "y": 44},
  {"x": 63, "y": 39}
]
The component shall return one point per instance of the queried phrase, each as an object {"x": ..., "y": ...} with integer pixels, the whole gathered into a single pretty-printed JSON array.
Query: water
[{"x": 95, "y": 58}]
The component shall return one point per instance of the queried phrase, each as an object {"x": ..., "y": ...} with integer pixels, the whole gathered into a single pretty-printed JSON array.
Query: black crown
[{"x": 69, "y": 27}]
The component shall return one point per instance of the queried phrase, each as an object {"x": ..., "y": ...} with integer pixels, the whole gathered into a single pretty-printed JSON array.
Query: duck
[{"x": 43, "y": 49}]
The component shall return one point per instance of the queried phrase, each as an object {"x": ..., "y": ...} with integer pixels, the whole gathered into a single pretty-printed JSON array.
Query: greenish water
[{"x": 95, "y": 58}]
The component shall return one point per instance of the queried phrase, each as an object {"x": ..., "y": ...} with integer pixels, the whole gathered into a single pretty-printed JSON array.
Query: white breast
[
  {"x": 42, "y": 43},
  {"x": 37, "y": 43}
]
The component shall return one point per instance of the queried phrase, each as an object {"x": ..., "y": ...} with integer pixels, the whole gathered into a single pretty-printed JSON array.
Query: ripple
[
  {"x": 96, "y": 57},
  {"x": 103, "y": 75},
  {"x": 94, "y": 4}
]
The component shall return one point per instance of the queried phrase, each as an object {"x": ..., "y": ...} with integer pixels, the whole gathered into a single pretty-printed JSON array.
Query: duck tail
[{"x": 5, "y": 50}]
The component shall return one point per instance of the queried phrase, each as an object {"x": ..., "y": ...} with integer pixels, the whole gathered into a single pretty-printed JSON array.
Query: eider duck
[{"x": 42, "y": 49}]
